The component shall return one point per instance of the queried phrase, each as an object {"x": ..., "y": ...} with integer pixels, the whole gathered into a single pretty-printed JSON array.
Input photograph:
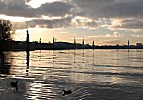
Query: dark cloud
[
  {"x": 54, "y": 23},
  {"x": 16, "y": 8},
  {"x": 93, "y": 9},
  {"x": 131, "y": 9},
  {"x": 88, "y": 8},
  {"x": 2, "y": 5},
  {"x": 110, "y": 8},
  {"x": 54, "y": 9},
  {"x": 27, "y": 1},
  {"x": 131, "y": 24},
  {"x": 20, "y": 8}
]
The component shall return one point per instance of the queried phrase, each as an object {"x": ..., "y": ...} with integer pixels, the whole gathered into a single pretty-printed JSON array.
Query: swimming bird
[
  {"x": 14, "y": 84},
  {"x": 66, "y": 92}
]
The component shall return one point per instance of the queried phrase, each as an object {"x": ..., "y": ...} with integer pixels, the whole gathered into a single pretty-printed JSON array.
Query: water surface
[{"x": 90, "y": 74}]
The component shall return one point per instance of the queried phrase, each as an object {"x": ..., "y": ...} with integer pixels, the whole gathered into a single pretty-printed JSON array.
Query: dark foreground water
[{"x": 90, "y": 74}]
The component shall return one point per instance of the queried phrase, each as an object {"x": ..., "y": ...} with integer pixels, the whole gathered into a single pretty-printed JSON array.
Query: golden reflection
[
  {"x": 48, "y": 78},
  {"x": 39, "y": 90},
  {"x": 5, "y": 62},
  {"x": 34, "y": 91}
]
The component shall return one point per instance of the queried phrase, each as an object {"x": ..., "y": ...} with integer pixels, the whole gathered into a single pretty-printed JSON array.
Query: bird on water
[
  {"x": 14, "y": 84},
  {"x": 65, "y": 92}
]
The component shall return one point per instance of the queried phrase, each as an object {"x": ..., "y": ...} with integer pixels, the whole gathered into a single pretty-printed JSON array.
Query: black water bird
[
  {"x": 65, "y": 92},
  {"x": 14, "y": 84}
]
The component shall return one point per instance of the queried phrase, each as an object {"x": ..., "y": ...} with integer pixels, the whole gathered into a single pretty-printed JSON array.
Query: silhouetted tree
[
  {"x": 6, "y": 33},
  {"x": 5, "y": 30}
]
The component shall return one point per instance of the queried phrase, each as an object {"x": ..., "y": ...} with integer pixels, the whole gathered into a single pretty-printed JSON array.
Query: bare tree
[{"x": 5, "y": 30}]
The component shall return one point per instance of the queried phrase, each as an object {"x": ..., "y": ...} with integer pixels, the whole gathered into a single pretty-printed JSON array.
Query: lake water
[{"x": 90, "y": 74}]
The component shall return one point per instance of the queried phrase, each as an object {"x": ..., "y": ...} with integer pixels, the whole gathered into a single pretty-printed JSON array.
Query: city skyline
[{"x": 106, "y": 22}]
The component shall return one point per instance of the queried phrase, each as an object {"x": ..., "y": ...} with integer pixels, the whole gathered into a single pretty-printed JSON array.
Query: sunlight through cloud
[{"x": 37, "y": 3}]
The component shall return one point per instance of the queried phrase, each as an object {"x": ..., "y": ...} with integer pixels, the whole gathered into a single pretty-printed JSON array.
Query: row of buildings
[{"x": 26, "y": 45}]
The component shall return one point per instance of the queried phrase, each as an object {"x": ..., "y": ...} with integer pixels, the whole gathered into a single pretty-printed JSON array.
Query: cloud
[
  {"x": 18, "y": 25},
  {"x": 27, "y": 1},
  {"x": 113, "y": 41},
  {"x": 127, "y": 14},
  {"x": 84, "y": 22},
  {"x": 44, "y": 23},
  {"x": 54, "y": 23},
  {"x": 54, "y": 9},
  {"x": 109, "y": 8},
  {"x": 16, "y": 8},
  {"x": 57, "y": 22},
  {"x": 86, "y": 8},
  {"x": 131, "y": 24},
  {"x": 115, "y": 34},
  {"x": 2, "y": 5},
  {"x": 20, "y": 8}
]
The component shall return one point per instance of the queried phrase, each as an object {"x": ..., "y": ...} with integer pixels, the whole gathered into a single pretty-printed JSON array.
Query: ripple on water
[{"x": 98, "y": 74}]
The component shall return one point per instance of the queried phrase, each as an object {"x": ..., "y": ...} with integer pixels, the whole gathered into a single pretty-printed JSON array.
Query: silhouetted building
[
  {"x": 139, "y": 44},
  {"x": 117, "y": 45},
  {"x": 40, "y": 40}
]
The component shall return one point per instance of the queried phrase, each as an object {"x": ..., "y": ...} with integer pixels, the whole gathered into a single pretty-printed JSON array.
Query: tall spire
[
  {"x": 40, "y": 40},
  {"x": 27, "y": 40},
  {"x": 53, "y": 40},
  {"x": 27, "y": 48},
  {"x": 128, "y": 43},
  {"x": 83, "y": 42},
  {"x": 74, "y": 40},
  {"x": 93, "y": 43}
]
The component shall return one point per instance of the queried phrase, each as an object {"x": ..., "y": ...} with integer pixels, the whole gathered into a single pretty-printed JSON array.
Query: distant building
[
  {"x": 117, "y": 45},
  {"x": 139, "y": 44},
  {"x": 40, "y": 40}
]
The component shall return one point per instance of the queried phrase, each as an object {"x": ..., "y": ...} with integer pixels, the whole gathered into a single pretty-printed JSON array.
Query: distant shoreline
[
  {"x": 22, "y": 46},
  {"x": 74, "y": 49}
]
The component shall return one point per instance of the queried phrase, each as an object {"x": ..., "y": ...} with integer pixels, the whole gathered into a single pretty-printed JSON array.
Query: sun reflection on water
[{"x": 48, "y": 73}]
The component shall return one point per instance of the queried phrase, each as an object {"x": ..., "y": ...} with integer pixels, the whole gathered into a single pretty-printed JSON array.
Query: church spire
[
  {"x": 128, "y": 43},
  {"x": 93, "y": 43},
  {"x": 83, "y": 42},
  {"x": 74, "y": 40}
]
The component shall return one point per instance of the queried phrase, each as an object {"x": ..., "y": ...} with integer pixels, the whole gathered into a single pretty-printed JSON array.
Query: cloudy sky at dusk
[{"x": 105, "y": 21}]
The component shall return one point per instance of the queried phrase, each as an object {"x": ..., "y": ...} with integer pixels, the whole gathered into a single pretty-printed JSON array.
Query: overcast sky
[{"x": 105, "y": 21}]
